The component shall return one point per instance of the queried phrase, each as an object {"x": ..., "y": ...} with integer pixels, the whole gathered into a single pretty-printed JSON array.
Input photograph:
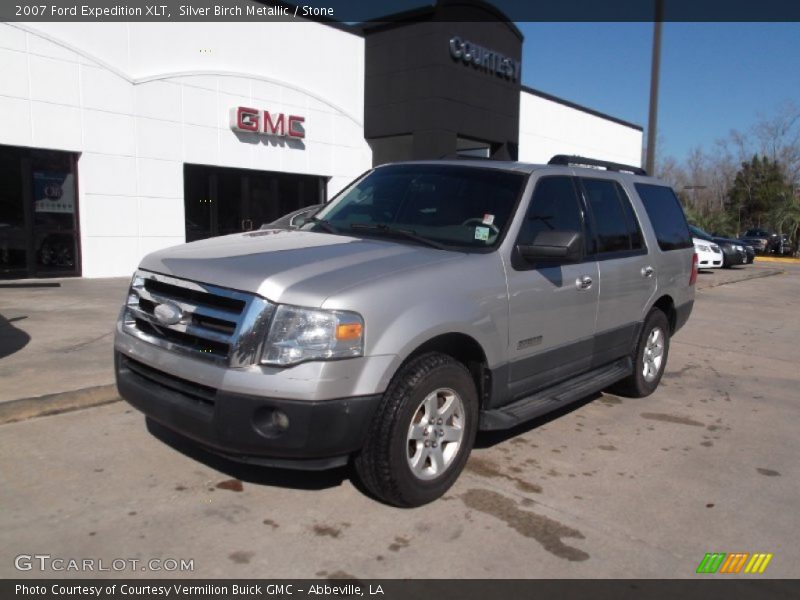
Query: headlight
[
  {"x": 702, "y": 248},
  {"x": 300, "y": 334},
  {"x": 739, "y": 248}
]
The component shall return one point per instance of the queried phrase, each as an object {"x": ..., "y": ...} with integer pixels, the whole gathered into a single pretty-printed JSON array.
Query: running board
[{"x": 555, "y": 397}]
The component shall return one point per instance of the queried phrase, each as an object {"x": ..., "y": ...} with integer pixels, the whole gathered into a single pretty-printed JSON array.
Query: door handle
[
  {"x": 583, "y": 283},
  {"x": 647, "y": 271}
]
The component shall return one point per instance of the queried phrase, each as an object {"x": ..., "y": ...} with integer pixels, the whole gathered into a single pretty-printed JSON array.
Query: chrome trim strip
[
  {"x": 183, "y": 327},
  {"x": 195, "y": 286},
  {"x": 251, "y": 334},
  {"x": 197, "y": 309}
]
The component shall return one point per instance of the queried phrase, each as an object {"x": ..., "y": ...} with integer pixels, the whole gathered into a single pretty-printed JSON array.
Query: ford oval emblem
[{"x": 168, "y": 313}]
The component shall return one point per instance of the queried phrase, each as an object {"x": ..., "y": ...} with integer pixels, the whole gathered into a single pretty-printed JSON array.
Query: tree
[
  {"x": 745, "y": 180},
  {"x": 759, "y": 188},
  {"x": 787, "y": 219},
  {"x": 779, "y": 139},
  {"x": 717, "y": 222}
]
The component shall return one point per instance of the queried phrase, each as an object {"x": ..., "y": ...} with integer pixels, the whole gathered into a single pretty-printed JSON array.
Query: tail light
[{"x": 693, "y": 276}]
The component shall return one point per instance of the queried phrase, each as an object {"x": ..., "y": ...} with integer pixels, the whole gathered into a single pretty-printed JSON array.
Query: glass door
[
  {"x": 54, "y": 201},
  {"x": 13, "y": 233},
  {"x": 200, "y": 212},
  {"x": 221, "y": 201},
  {"x": 38, "y": 213}
]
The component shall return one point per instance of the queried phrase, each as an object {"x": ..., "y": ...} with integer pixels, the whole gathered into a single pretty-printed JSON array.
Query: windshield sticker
[
  {"x": 482, "y": 233},
  {"x": 488, "y": 219}
]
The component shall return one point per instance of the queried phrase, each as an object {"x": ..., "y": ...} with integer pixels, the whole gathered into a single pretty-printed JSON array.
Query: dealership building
[{"x": 118, "y": 139}]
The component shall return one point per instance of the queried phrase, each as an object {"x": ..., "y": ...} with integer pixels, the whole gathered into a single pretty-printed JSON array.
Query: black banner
[
  {"x": 355, "y": 11},
  {"x": 743, "y": 588}
]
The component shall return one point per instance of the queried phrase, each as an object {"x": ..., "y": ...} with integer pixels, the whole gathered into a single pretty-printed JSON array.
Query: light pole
[{"x": 655, "y": 67}]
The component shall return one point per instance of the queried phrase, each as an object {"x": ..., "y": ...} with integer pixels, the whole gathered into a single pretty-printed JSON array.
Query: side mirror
[
  {"x": 298, "y": 222},
  {"x": 566, "y": 246}
]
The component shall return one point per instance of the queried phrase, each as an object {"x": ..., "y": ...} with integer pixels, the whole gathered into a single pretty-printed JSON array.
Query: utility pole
[{"x": 650, "y": 161}]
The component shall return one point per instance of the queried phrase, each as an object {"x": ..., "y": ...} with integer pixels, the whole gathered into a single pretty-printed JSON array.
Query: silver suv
[{"x": 426, "y": 301}]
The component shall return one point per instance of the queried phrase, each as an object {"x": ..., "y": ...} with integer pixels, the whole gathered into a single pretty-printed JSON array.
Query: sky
[{"x": 715, "y": 77}]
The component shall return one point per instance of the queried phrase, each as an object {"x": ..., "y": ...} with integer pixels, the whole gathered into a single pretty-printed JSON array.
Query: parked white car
[{"x": 709, "y": 255}]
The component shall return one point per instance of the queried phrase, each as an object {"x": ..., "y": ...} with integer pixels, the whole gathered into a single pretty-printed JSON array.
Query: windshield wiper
[
  {"x": 408, "y": 233},
  {"x": 323, "y": 223}
]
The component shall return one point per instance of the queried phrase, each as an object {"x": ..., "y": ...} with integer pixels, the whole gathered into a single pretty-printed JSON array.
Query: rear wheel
[
  {"x": 422, "y": 433},
  {"x": 650, "y": 358}
]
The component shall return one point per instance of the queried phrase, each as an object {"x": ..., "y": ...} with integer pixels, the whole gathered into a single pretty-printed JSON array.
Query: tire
[
  {"x": 639, "y": 385},
  {"x": 427, "y": 384}
]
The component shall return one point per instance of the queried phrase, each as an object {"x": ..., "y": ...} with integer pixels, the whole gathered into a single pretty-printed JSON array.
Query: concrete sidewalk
[{"x": 57, "y": 338}]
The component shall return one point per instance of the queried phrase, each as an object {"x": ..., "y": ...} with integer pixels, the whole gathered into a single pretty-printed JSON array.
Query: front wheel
[
  {"x": 650, "y": 358},
  {"x": 422, "y": 433}
]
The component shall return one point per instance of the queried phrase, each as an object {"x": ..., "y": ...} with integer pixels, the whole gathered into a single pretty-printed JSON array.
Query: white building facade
[
  {"x": 550, "y": 126},
  {"x": 118, "y": 139}
]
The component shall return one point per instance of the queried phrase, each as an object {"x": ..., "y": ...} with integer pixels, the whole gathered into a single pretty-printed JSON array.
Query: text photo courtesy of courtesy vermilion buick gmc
[{"x": 425, "y": 302}]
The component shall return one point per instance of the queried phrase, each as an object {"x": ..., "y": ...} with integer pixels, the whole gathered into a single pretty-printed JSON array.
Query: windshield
[{"x": 459, "y": 206}]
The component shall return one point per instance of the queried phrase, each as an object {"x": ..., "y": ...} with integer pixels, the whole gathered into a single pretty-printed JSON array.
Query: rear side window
[
  {"x": 666, "y": 215},
  {"x": 616, "y": 227}
]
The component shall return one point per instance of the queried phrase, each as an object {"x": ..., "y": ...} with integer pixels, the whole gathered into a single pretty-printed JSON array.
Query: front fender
[{"x": 468, "y": 296}]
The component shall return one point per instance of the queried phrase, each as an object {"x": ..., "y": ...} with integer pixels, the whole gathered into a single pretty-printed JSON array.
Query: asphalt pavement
[{"x": 614, "y": 487}]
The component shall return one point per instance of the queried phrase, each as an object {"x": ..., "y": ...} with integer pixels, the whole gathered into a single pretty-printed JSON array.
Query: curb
[
  {"x": 778, "y": 259},
  {"x": 54, "y": 404},
  {"x": 750, "y": 275}
]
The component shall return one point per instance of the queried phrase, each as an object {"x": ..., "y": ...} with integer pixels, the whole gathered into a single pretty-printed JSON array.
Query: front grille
[{"x": 204, "y": 321}]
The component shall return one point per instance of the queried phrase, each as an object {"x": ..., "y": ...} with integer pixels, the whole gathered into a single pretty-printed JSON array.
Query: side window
[
  {"x": 554, "y": 207},
  {"x": 610, "y": 220},
  {"x": 634, "y": 229},
  {"x": 666, "y": 216}
]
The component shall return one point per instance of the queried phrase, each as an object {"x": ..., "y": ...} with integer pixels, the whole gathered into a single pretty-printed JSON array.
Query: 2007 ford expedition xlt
[{"x": 426, "y": 301}]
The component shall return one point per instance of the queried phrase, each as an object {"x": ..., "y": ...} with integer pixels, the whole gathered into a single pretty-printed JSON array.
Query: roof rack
[
  {"x": 563, "y": 159},
  {"x": 457, "y": 156}
]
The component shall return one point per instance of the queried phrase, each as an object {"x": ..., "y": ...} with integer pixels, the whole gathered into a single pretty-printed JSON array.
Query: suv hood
[{"x": 291, "y": 267}]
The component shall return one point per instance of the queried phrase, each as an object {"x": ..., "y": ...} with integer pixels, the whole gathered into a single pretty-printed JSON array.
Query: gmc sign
[{"x": 252, "y": 120}]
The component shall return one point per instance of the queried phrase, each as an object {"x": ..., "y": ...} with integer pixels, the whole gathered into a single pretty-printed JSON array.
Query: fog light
[
  {"x": 279, "y": 420},
  {"x": 270, "y": 422}
]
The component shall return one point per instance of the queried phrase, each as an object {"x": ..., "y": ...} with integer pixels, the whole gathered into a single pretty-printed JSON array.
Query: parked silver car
[{"x": 426, "y": 301}]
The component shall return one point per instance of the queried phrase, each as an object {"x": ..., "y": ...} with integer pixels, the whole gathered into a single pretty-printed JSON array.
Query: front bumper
[
  {"x": 709, "y": 260},
  {"x": 320, "y": 434}
]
